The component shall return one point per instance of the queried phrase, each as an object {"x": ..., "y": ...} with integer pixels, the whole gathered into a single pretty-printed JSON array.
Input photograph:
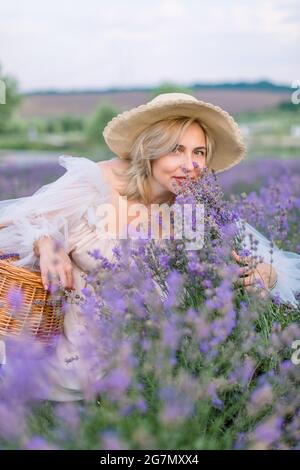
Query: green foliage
[
  {"x": 289, "y": 106},
  {"x": 169, "y": 87},
  {"x": 95, "y": 125},
  {"x": 64, "y": 123}
]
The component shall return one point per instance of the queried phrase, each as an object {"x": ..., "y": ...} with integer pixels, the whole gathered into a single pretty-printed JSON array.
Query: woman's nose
[{"x": 189, "y": 162}]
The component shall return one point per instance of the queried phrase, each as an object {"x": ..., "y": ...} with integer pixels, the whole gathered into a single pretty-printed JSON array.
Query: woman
[{"x": 156, "y": 144}]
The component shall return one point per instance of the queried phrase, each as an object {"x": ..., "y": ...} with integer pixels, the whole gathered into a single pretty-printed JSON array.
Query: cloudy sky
[{"x": 71, "y": 44}]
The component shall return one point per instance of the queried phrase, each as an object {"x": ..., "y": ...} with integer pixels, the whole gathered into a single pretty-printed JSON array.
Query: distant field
[
  {"x": 270, "y": 131},
  {"x": 233, "y": 101}
]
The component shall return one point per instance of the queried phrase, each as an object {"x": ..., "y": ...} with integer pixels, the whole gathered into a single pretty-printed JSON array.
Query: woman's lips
[{"x": 179, "y": 179}]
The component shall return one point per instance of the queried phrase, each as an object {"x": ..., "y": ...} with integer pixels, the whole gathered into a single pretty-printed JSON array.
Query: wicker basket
[{"x": 40, "y": 313}]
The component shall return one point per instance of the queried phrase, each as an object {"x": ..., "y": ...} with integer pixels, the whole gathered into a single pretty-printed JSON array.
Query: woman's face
[{"x": 167, "y": 169}]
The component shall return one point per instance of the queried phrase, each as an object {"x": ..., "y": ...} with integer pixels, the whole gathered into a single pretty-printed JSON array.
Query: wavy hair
[{"x": 156, "y": 140}]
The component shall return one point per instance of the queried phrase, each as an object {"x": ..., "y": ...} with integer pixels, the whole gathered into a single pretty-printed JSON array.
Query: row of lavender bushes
[{"x": 207, "y": 365}]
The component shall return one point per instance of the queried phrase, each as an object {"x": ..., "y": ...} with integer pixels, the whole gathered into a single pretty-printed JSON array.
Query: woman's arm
[
  {"x": 286, "y": 264},
  {"x": 52, "y": 210}
]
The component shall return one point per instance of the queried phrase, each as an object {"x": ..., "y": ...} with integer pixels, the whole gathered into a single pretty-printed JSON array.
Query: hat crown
[
  {"x": 163, "y": 97},
  {"x": 121, "y": 132}
]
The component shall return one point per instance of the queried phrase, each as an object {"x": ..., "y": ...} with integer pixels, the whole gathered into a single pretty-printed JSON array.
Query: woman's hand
[
  {"x": 254, "y": 275},
  {"x": 55, "y": 265}
]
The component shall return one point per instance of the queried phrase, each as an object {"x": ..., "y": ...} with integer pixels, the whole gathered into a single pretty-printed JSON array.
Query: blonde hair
[{"x": 156, "y": 140}]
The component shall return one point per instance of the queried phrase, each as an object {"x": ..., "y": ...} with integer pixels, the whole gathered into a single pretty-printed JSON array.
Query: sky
[{"x": 71, "y": 44}]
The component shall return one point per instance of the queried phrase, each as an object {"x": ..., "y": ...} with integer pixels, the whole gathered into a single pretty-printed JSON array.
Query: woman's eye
[{"x": 177, "y": 149}]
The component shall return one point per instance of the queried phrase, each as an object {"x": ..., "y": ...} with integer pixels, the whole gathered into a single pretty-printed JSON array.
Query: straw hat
[{"x": 120, "y": 133}]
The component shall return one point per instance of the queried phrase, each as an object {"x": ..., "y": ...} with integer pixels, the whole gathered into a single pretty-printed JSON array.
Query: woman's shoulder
[
  {"x": 108, "y": 167},
  {"x": 83, "y": 174},
  {"x": 84, "y": 169},
  {"x": 115, "y": 162}
]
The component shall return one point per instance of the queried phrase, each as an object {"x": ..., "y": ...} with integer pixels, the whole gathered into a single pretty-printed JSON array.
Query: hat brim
[{"x": 120, "y": 133}]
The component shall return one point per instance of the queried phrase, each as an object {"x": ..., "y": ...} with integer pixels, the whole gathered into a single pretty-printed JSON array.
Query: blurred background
[{"x": 68, "y": 67}]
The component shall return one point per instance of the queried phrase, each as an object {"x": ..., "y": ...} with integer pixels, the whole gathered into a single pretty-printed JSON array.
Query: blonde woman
[{"x": 155, "y": 145}]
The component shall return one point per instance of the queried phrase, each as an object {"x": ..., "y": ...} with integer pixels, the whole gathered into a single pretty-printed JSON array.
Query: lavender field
[{"x": 206, "y": 365}]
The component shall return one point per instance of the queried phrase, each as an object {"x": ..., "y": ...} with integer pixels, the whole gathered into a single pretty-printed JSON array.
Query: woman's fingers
[
  {"x": 245, "y": 260},
  {"x": 70, "y": 279},
  {"x": 245, "y": 271},
  {"x": 53, "y": 279},
  {"x": 45, "y": 280},
  {"x": 63, "y": 277},
  {"x": 235, "y": 256},
  {"x": 48, "y": 278},
  {"x": 240, "y": 259},
  {"x": 248, "y": 280},
  {"x": 56, "y": 271},
  {"x": 253, "y": 280}
]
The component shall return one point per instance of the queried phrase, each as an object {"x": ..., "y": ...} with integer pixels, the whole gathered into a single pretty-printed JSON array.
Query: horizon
[{"x": 255, "y": 84}]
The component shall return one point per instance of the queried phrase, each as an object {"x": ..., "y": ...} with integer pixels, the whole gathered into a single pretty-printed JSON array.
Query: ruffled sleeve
[
  {"x": 52, "y": 209},
  {"x": 286, "y": 263}
]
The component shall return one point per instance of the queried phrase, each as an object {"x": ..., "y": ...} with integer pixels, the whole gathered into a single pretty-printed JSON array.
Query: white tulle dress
[{"x": 66, "y": 209}]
